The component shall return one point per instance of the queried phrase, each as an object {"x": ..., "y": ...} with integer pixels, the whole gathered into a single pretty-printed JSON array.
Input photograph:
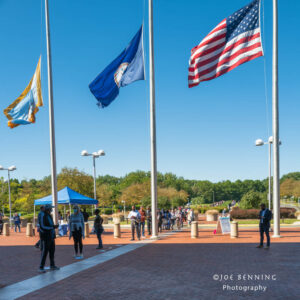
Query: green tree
[
  {"x": 252, "y": 199},
  {"x": 76, "y": 180}
]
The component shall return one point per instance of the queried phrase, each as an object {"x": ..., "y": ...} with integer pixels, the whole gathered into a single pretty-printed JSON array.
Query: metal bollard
[
  {"x": 117, "y": 230},
  {"x": 6, "y": 229},
  {"x": 194, "y": 230},
  {"x": 234, "y": 232},
  {"x": 86, "y": 229},
  {"x": 29, "y": 229}
]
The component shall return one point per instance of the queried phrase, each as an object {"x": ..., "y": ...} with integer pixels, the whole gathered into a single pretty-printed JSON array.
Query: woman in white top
[{"x": 76, "y": 226}]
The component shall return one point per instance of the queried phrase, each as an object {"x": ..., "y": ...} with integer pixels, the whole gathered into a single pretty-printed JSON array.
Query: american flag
[{"x": 233, "y": 42}]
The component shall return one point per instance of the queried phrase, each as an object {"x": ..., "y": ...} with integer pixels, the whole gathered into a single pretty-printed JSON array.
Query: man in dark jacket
[
  {"x": 265, "y": 216},
  {"x": 47, "y": 228}
]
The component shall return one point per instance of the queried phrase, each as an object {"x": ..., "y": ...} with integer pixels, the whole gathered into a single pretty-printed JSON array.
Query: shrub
[
  {"x": 237, "y": 213},
  {"x": 212, "y": 212},
  {"x": 106, "y": 211},
  {"x": 287, "y": 213}
]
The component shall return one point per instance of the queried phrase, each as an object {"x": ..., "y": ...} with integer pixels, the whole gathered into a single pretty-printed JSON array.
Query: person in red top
[{"x": 142, "y": 223}]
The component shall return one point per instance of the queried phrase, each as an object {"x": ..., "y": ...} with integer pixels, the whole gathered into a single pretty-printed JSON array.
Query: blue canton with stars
[{"x": 245, "y": 19}]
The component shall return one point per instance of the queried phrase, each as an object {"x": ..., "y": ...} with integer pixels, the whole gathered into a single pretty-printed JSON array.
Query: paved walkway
[{"x": 178, "y": 267}]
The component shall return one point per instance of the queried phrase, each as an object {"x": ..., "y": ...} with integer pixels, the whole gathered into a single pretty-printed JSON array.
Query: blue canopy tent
[{"x": 66, "y": 196}]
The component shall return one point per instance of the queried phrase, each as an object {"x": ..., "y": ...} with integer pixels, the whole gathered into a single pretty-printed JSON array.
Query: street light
[
  {"x": 10, "y": 169},
  {"x": 94, "y": 155},
  {"x": 260, "y": 142}
]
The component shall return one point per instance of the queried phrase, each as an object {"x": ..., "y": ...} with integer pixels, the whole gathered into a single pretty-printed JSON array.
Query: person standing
[
  {"x": 40, "y": 216},
  {"x": 76, "y": 225},
  {"x": 173, "y": 218},
  {"x": 67, "y": 216},
  {"x": 149, "y": 219},
  {"x": 17, "y": 222},
  {"x": 159, "y": 220},
  {"x": 265, "y": 216},
  {"x": 142, "y": 221},
  {"x": 85, "y": 215},
  {"x": 47, "y": 227},
  {"x": 134, "y": 217},
  {"x": 191, "y": 216},
  {"x": 98, "y": 228}
]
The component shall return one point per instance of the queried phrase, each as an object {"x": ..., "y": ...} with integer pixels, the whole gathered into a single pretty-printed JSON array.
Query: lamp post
[
  {"x": 260, "y": 142},
  {"x": 94, "y": 155},
  {"x": 10, "y": 169}
]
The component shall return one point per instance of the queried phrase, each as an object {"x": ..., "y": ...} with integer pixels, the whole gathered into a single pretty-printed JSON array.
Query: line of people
[{"x": 166, "y": 220}]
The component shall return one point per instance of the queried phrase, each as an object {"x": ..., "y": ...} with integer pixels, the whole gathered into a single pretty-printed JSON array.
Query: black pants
[
  {"x": 264, "y": 229},
  {"x": 99, "y": 233},
  {"x": 159, "y": 224},
  {"x": 39, "y": 244},
  {"x": 77, "y": 237},
  {"x": 48, "y": 246},
  {"x": 149, "y": 224},
  {"x": 135, "y": 227}
]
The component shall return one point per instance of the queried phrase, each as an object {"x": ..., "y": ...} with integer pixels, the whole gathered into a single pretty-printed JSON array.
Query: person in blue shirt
[
  {"x": 17, "y": 222},
  {"x": 265, "y": 217}
]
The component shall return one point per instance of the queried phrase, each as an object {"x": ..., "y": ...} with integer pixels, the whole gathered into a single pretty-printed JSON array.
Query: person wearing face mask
[
  {"x": 76, "y": 225},
  {"x": 47, "y": 238}
]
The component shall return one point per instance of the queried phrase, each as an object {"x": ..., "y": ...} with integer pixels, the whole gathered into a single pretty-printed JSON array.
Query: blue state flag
[{"x": 125, "y": 69}]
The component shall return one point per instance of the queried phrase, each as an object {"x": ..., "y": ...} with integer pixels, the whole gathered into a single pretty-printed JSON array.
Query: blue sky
[{"x": 206, "y": 132}]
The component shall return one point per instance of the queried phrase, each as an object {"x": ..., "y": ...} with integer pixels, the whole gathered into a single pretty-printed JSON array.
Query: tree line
[{"x": 134, "y": 188}]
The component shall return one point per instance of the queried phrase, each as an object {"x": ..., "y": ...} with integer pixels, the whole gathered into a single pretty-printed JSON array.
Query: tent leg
[{"x": 64, "y": 212}]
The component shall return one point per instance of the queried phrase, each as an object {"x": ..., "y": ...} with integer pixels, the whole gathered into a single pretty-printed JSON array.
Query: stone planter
[
  {"x": 211, "y": 217},
  {"x": 116, "y": 220}
]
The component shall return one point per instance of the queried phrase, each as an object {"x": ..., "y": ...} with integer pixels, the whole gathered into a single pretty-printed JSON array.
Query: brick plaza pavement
[
  {"x": 20, "y": 259},
  {"x": 178, "y": 267}
]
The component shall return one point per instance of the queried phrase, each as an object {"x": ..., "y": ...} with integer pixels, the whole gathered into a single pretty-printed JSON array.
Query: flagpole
[
  {"x": 51, "y": 119},
  {"x": 276, "y": 176},
  {"x": 152, "y": 126}
]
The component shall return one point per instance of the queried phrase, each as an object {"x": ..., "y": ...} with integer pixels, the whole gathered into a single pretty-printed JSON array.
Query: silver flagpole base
[
  {"x": 154, "y": 237},
  {"x": 276, "y": 236}
]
